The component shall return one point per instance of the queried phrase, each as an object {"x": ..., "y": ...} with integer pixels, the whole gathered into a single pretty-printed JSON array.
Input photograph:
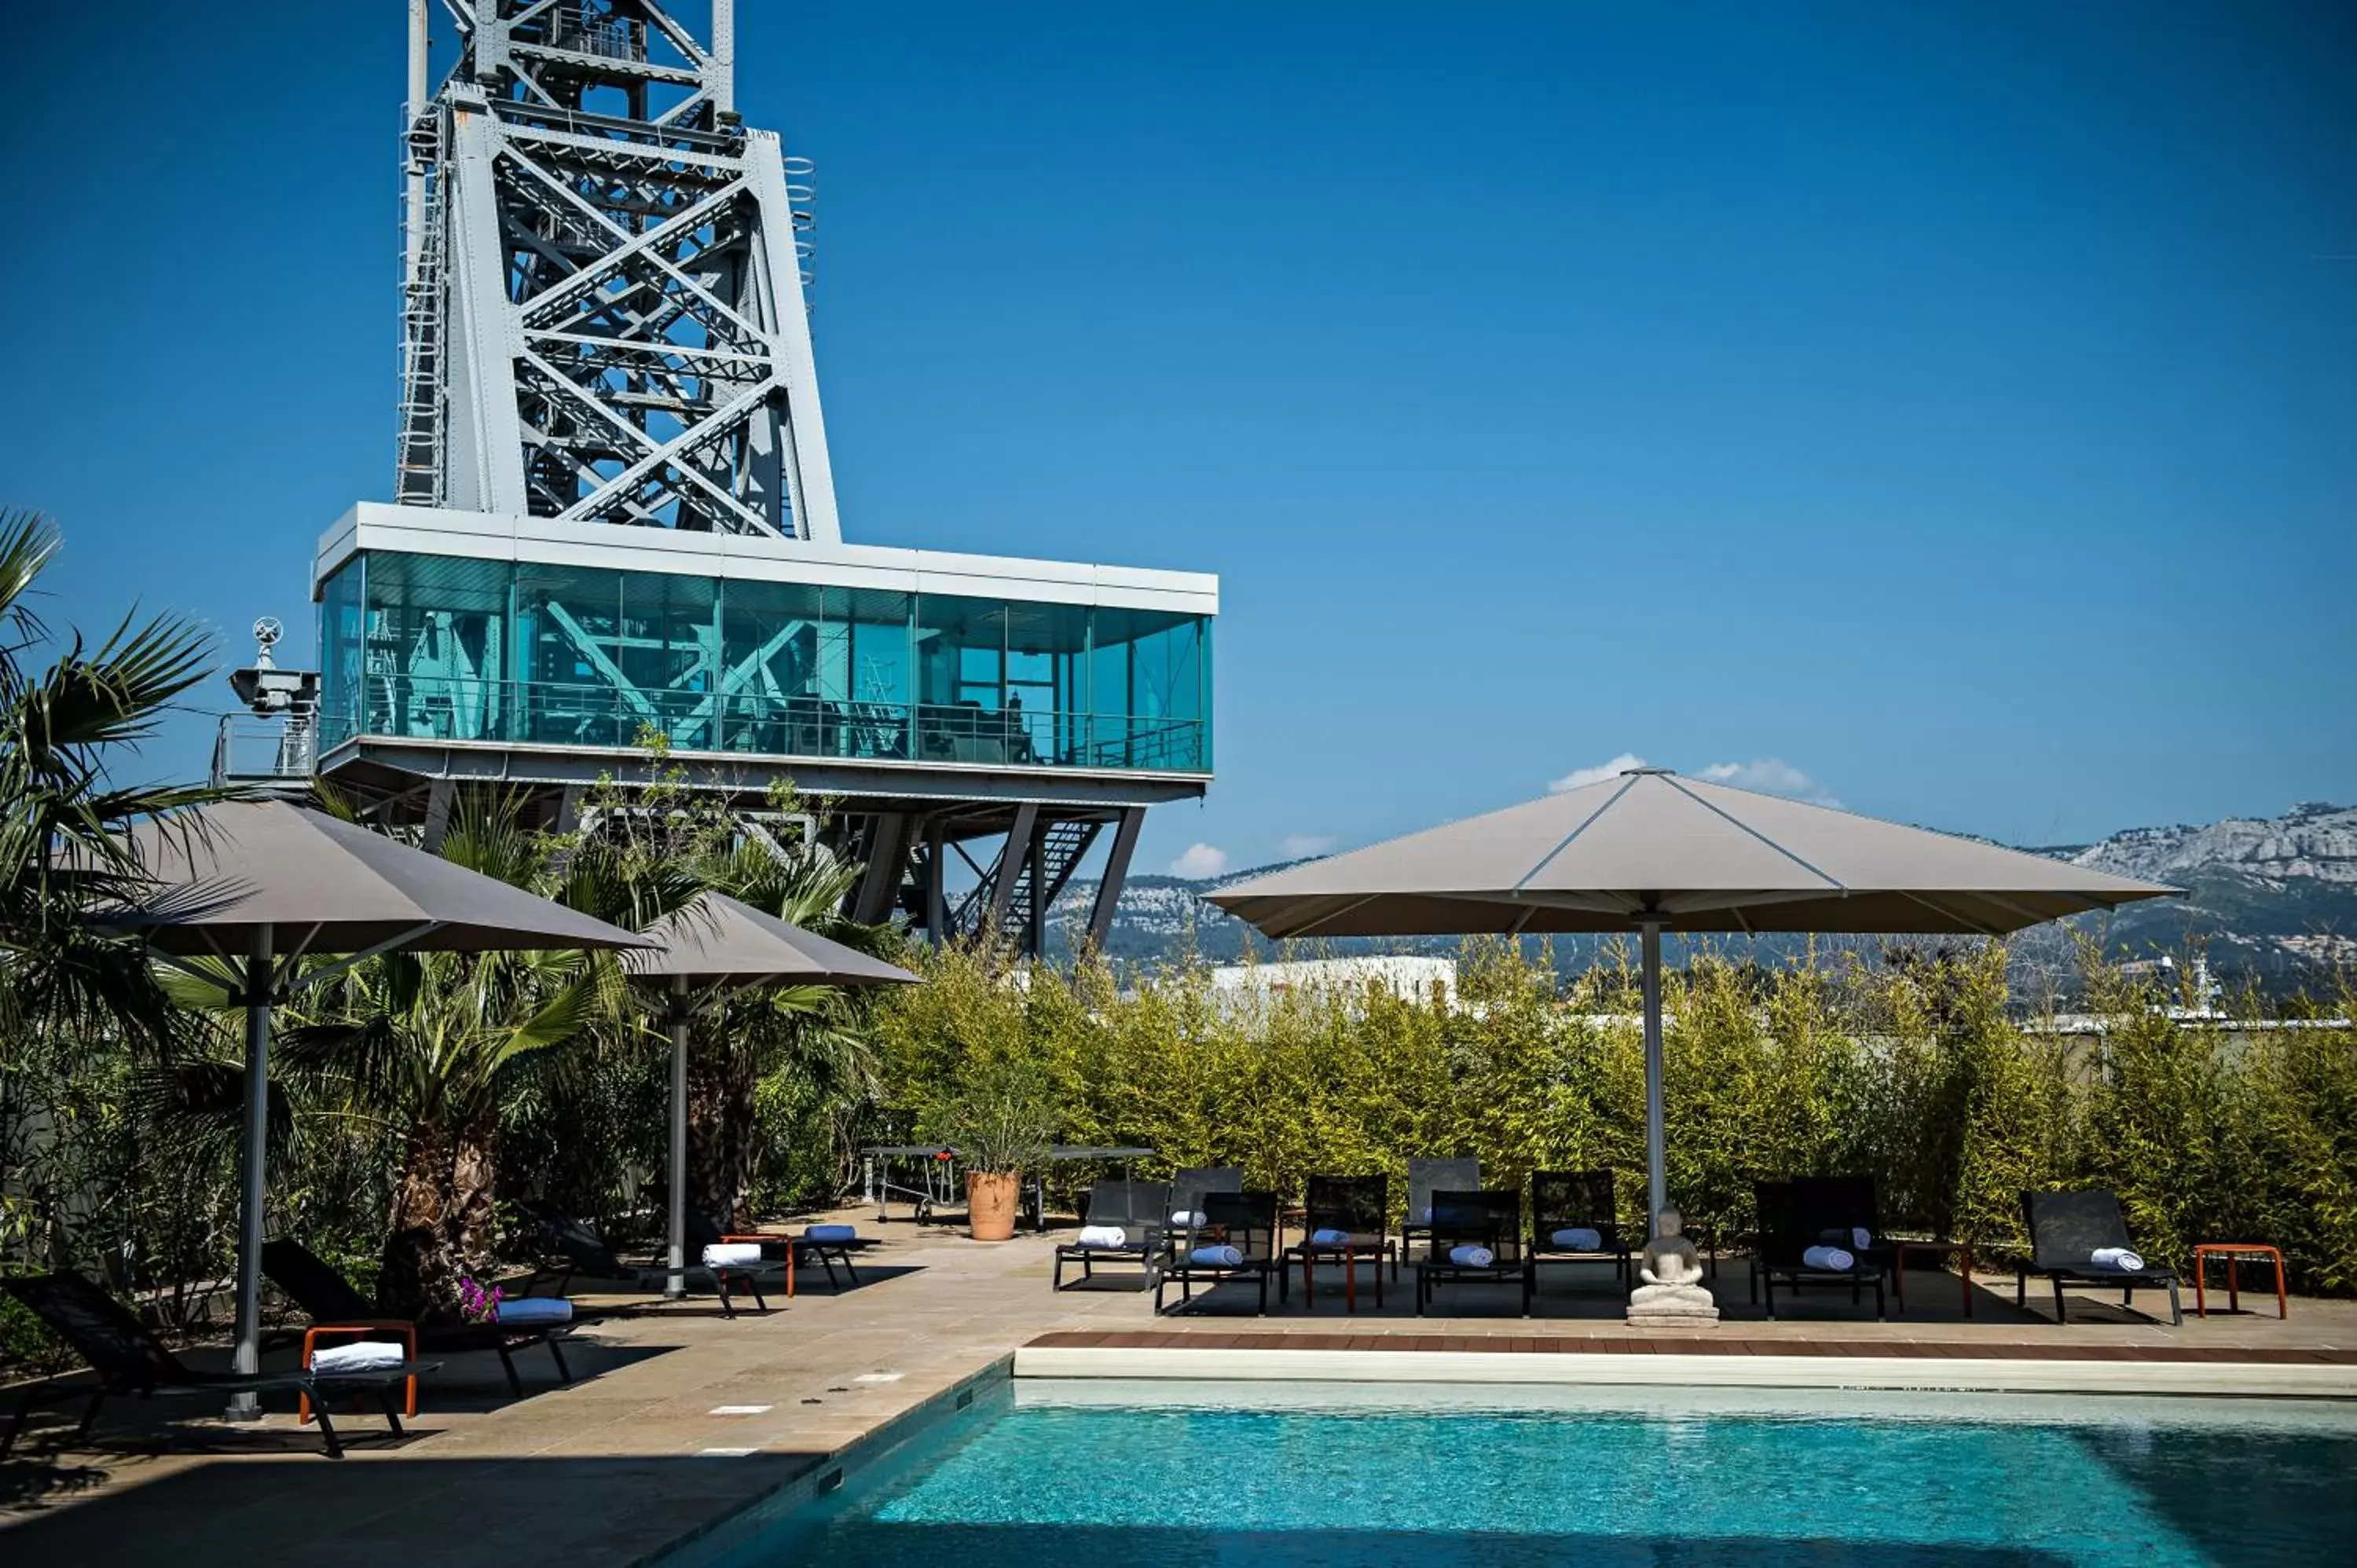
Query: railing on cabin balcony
[{"x": 534, "y": 713}]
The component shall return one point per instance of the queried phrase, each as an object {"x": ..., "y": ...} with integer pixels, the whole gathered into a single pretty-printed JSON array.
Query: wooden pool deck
[{"x": 680, "y": 1416}]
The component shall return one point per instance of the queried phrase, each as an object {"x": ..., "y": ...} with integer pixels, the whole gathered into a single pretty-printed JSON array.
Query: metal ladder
[{"x": 418, "y": 458}]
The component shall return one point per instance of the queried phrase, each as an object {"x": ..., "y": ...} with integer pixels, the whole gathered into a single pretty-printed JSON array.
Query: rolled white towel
[
  {"x": 1472, "y": 1257},
  {"x": 1104, "y": 1235},
  {"x": 732, "y": 1254},
  {"x": 1838, "y": 1260},
  {"x": 1187, "y": 1219},
  {"x": 537, "y": 1308},
  {"x": 1580, "y": 1239},
  {"x": 1860, "y": 1237},
  {"x": 2121, "y": 1257},
  {"x": 1216, "y": 1257},
  {"x": 1330, "y": 1238},
  {"x": 830, "y": 1233},
  {"x": 360, "y": 1355}
]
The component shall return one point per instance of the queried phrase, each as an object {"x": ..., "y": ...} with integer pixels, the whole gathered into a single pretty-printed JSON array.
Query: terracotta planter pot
[{"x": 991, "y": 1200}]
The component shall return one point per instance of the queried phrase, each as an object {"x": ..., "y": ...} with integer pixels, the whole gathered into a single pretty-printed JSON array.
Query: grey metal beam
[
  {"x": 1116, "y": 871},
  {"x": 1011, "y": 861},
  {"x": 937, "y": 911},
  {"x": 440, "y": 796},
  {"x": 888, "y": 861}
]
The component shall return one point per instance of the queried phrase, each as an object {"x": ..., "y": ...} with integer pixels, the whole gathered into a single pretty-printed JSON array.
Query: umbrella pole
[
  {"x": 675, "y": 1285},
  {"x": 1657, "y": 1175},
  {"x": 245, "y": 1358}
]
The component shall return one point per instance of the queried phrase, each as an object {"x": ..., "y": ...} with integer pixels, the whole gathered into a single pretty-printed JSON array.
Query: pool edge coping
[
  {"x": 709, "y": 1539},
  {"x": 1993, "y": 1374}
]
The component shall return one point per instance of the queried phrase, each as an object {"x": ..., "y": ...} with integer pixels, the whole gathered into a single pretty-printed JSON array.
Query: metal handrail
[{"x": 468, "y": 708}]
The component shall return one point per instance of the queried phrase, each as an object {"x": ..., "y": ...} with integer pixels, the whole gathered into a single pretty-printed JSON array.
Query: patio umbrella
[
  {"x": 717, "y": 941},
  {"x": 1653, "y": 852},
  {"x": 261, "y": 884}
]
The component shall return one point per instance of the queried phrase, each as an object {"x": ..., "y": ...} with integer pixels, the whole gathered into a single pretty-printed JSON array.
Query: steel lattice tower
[{"x": 603, "y": 312}]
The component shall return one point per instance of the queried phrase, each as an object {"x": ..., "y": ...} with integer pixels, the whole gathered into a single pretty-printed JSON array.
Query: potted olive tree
[{"x": 1001, "y": 1118}]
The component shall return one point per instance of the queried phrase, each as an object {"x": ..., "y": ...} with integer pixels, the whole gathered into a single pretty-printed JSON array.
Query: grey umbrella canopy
[
  {"x": 717, "y": 941},
  {"x": 261, "y": 884},
  {"x": 1651, "y": 852}
]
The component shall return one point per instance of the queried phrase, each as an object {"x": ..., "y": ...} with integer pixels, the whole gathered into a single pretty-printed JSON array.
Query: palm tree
[
  {"x": 809, "y": 1031},
  {"x": 62, "y": 811},
  {"x": 70, "y": 991}
]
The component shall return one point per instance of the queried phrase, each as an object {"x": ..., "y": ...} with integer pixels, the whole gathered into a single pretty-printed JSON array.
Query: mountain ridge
[{"x": 2269, "y": 898}]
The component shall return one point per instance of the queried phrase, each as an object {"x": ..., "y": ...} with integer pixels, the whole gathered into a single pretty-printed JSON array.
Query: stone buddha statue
[{"x": 1673, "y": 1292}]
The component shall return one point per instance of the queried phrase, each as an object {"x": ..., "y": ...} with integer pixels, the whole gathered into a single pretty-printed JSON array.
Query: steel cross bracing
[{"x": 603, "y": 312}]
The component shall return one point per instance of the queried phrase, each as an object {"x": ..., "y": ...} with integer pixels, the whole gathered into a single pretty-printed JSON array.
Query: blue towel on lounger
[
  {"x": 1216, "y": 1257},
  {"x": 830, "y": 1233}
]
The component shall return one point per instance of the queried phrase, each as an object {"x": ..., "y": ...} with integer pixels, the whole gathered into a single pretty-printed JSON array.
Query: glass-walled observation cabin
[{"x": 449, "y": 649}]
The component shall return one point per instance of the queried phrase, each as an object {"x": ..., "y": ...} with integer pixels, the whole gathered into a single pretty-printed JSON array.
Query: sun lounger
[
  {"x": 1344, "y": 1220},
  {"x": 1424, "y": 1178},
  {"x": 1474, "y": 1238},
  {"x": 1796, "y": 1223},
  {"x": 2066, "y": 1230},
  {"x": 1576, "y": 1200},
  {"x": 1192, "y": 1185},
  {"x": 339, "y": 1314},
  {"x": 777, "y": 1253},
  {"x": 1245, "y": 1221},
  {"x": 130, "y": 1360},
  {"x": 577, "y": 1250},
  {"x": 1139, "y": 1211}
]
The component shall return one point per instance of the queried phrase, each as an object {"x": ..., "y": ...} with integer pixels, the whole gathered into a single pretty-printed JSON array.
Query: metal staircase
[{"x": 1040, "y": 878}]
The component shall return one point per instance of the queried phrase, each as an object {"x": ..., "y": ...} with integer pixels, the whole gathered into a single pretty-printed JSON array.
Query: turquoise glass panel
[{"x": 424, "y": 647}]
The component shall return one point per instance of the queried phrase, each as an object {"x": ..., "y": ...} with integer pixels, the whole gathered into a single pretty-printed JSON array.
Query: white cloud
[
  {"x": 1580, "y": 778},
  {"x": 1302, "y": 846},
  {"x": 1770, "y": 776},
  {"x": 1200, "y": 860}
]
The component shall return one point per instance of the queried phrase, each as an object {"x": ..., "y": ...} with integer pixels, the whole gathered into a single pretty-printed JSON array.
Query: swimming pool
[{"x": 1177, "y": 1475}]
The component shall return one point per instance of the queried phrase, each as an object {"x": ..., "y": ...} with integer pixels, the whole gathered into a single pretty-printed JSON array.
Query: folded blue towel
[
  {"x": 1330, "y": 1238},
  {"x": 1580, "y": 1239},
  {"x": 1216, "y": 1257},
  {"x": 536, "y": 1309},
  {"x": 1472, "y": 1257},
  {"x": 830, "y": 1233}
]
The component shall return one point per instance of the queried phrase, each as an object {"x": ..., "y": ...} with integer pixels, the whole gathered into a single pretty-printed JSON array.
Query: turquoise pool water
[{"x": 1241, "y": 1477}]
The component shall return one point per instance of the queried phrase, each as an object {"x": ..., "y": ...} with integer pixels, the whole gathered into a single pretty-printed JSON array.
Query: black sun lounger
[
  {"x": 1576, "y": 1200},
  {"x": 130, "y": 1360},
  {"x": 2065, "y": 1229},
  {"x": 1357, "y": 1210},
  {"x": 1426, "y": 1179},
  {"x": 328, "y": 1300},
  {"x": 1245, "y": 1220},
  {"x": 579, "y": 1251},
  {"x": 1141, "y": 1209},
  {"x": 1492, "y": 1219},
  {"x": 1794, "y": 1218},
  {"x": 778, "y": 1251}
]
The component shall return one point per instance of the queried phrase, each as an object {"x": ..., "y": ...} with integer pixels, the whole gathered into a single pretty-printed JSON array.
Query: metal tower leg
[
  {"x": 937, "y": 914},
  {"x": 1011, "y": 861},
  {"x": 1116, "y": 871}
]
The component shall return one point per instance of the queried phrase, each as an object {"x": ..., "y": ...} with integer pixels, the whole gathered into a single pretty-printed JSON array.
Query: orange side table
[{"x": 2233, "y": 1252}]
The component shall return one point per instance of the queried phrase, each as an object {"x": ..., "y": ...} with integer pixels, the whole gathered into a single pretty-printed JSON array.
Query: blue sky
[{"x": 1953, "y": 407}]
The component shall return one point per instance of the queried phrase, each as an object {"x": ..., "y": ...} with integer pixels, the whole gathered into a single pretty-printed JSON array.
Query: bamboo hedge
[{"x": 1912, "y": 1067}]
